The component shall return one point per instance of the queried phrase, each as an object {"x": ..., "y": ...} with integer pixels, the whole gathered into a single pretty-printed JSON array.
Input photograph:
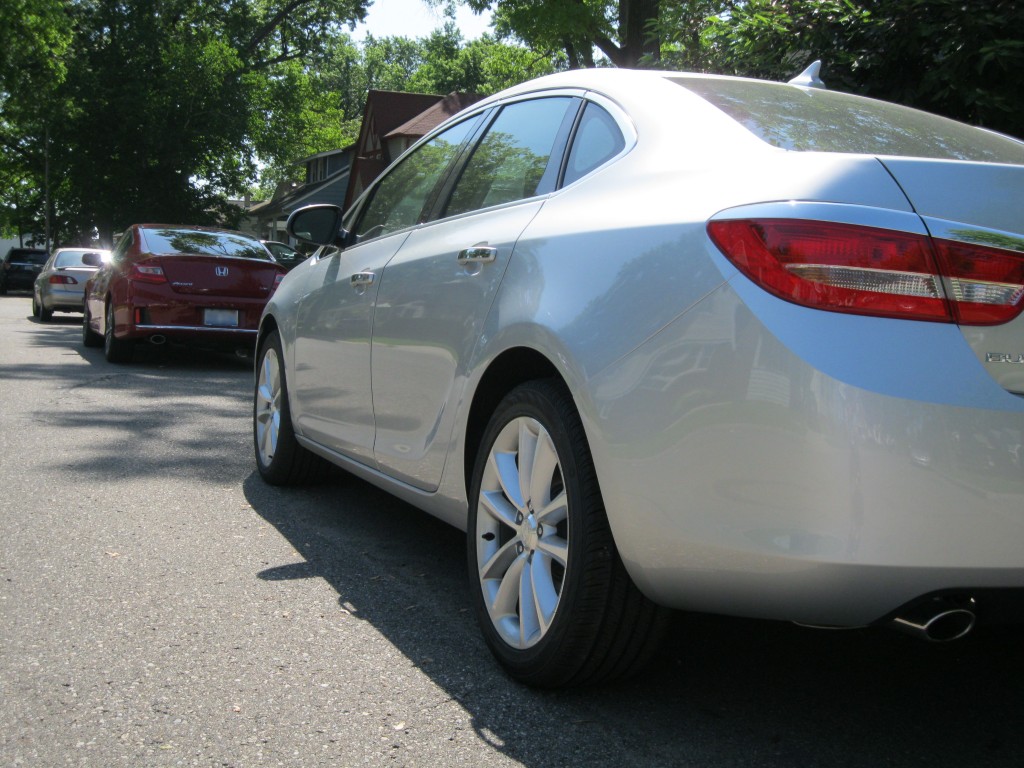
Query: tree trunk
[{"x": 637, "y": 41}]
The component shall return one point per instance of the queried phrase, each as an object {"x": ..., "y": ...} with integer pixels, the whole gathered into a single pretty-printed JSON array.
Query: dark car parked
[
  {"x": 19, "y": 268},
  {"x": 284, "y": 254}
]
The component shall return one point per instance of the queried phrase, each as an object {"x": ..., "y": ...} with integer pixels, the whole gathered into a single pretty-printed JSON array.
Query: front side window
[
  {"x": 519, "y": 156},
  {"x": 403, "y": 197}
]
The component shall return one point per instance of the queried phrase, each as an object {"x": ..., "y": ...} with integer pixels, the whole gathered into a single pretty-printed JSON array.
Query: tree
[
  {"x": 957, "y": 59},
  {"x": 483, "y": 66},
  {"x": 34, "y": 36},
  {"x": 166, "y": 104},
  {"x": 625, "y": 30}
]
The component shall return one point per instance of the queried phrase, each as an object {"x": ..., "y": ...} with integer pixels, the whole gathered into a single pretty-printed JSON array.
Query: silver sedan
[
  {"x": 60, "y": 287},
  {"x": 668, "y": 341}
]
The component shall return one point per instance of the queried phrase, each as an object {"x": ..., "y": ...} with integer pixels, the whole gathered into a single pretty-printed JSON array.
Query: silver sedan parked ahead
[
  {"x": 60, "y": 286},
  {"x": 668, "y": 341}
]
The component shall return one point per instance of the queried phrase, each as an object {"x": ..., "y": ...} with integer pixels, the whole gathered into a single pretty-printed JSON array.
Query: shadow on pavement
[{"x": 722, "y": 692}]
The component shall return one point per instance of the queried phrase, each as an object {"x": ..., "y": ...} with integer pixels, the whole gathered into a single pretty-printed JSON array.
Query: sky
[{"x": 414, "y": 19}]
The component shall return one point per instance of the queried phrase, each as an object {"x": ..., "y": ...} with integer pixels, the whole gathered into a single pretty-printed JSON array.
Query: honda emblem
[{"x": 221, "y": 271}]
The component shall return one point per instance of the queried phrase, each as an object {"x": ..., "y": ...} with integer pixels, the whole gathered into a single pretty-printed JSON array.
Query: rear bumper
[
  {"x": 18, "y": 281},
  {"x": 58, "y": 298},
  {"x": 781, "y": 469},
  {"x": 197, "y": 331},
  {"x": 152, "y": 314}
]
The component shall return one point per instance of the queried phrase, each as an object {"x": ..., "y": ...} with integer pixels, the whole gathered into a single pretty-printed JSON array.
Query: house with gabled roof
[
  {"x": 392, "y": 122},
  {"x": 326, "y": 178}
]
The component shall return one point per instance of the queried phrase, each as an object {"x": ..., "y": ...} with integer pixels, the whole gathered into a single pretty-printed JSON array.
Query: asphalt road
[{"x": 161, "y": 606}]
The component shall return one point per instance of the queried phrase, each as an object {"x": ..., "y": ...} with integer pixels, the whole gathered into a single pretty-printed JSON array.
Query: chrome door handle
[
  {"x": 363, "y": 279},
  {"x": 478, "y": 254}
]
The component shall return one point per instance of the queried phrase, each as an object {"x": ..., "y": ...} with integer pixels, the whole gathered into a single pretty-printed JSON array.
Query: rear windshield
[
  {"x": 165, "y": 242},
  {"x": 72, "y": 258},
  {"x": 816, "y": 120},
  {"x": 28, "y": 257}
]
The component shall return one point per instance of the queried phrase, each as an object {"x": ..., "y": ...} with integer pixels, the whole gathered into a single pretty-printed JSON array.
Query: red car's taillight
[
  {"x": 62, "y": 280},
  {"x": 145, "y": 273},
  {"x": 872, "y": 271}
]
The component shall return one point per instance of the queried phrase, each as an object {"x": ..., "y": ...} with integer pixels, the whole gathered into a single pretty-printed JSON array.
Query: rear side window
[
  {"x": 598, "y": 139},
  {"x": 816, "y": 120},
  {"x": 124, "y": 242},
  {"x": 518, "y": 157}
]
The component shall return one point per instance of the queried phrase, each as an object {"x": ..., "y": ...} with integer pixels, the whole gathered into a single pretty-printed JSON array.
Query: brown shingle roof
[
  {"x": 426, "y": 121},
  {"x": 391, "y": 109}
]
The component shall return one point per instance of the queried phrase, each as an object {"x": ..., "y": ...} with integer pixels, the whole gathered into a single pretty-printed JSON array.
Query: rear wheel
[
  {"x": 114, "y": 349},
  {"x": 89, "y": 337},
  {"x": 42, "y": 313},
  {"x": 554, "y": 601},
  {"x": 279, "y": 457}
]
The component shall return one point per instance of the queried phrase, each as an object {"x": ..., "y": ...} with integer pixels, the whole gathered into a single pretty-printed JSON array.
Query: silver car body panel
[
  {"x": 987, "y": 209},
  {"x": 755, "y": 457}
]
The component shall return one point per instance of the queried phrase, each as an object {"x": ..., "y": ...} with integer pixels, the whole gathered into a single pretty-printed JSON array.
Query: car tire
[
  {"x": 280, "y": 459},
  {"x": 554, "y": 552},
  {"x": 89, "y": 337},
  {"x": 42, "y": 314},
  {"x": 114, "y": 349}
]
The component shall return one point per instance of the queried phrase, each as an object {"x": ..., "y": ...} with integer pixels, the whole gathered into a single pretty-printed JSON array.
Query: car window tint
[
  {"x": 815, "y": 120},
  {"x": 511, "y": 160},
  {"x": 598, "y": 139},
  {"x": 166, "y": 242},
  {"x": 402, "y": 197},
  {"x": 123, "y": 244},
  {"x": 70, "y": 258}
]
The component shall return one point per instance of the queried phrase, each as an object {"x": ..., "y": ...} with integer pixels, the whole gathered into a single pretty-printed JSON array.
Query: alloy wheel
[
  {"x": 522, "y": 532},
  {"x": 268, "y": 406}
]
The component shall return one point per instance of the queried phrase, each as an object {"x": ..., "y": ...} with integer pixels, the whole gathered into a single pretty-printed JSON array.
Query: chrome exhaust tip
[
  {"x": 157, "y": 339},
  {"x": 936, "y": 625}
]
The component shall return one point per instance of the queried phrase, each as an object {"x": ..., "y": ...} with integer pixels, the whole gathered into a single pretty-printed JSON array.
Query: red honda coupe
[{"x": 180, "y": 283}]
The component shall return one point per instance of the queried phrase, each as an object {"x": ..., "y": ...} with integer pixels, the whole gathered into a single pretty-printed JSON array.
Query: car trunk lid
[
  {"x": 220, "y": 276},
  {"x": 977, "y": 206}
]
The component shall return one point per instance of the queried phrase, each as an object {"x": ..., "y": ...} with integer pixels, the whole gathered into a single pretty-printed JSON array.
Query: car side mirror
[
  {"x": 92, "y": 260},
  {"x": 317, "y": 224}
]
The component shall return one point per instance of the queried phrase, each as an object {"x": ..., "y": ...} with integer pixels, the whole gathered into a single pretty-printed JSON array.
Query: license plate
[{"x": 221, "y": 318}]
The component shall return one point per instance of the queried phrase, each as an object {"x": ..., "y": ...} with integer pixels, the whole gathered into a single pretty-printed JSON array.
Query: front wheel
[
  {"x": 553, "y": 599},
  {"x": 279, "y": 457}
]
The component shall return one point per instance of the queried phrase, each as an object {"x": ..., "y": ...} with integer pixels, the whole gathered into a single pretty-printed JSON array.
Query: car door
[
  {"x": 435, "y": 293},
  {"x": 331, "y": 382}
]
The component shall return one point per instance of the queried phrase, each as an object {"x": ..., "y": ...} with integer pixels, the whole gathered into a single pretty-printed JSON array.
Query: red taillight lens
[
  {"x": 872, "y": 271},
  {"x": 146, "y": 273},
  {"x": 62, "y": 280}
]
